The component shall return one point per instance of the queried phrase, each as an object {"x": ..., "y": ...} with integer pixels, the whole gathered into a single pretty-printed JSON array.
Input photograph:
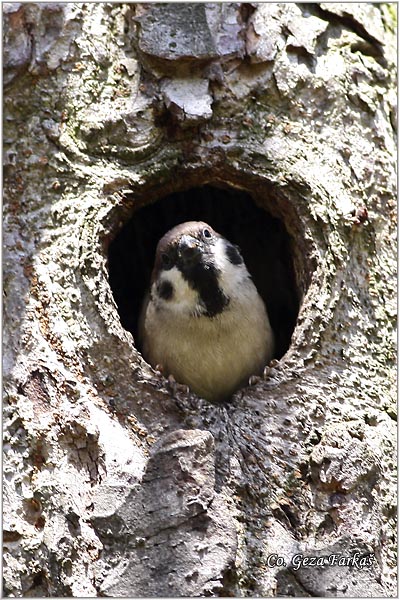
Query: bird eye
[
  {"x": 207, "y": 233},
  {"x": 166, "y": 259}
]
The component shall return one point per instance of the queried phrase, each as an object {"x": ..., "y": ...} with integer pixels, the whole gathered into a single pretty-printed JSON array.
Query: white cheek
[
  {"x": 232, "y": 277},
  {"x": 184, "y": 298}
]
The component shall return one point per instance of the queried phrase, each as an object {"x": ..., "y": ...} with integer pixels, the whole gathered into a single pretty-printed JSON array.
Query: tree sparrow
[{"x": 203, "y": 320}]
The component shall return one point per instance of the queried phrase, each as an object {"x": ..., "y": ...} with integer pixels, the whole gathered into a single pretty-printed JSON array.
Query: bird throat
[{"x": 203, "y": 278}]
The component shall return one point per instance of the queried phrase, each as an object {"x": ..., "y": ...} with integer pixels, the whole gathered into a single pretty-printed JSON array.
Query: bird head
[{"x": 196, "y": 270}]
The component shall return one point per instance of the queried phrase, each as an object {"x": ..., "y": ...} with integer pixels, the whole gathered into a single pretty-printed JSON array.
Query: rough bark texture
[{"x": 116, "y": 482}]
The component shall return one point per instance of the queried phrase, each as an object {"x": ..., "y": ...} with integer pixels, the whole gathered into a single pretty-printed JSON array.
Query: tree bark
[{"x": 117, "y": 482}]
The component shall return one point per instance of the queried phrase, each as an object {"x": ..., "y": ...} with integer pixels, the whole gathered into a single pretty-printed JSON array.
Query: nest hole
[{"x": 264, "y": 241}]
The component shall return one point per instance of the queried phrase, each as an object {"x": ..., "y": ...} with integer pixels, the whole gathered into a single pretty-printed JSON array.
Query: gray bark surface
[{"x": 118, "y": 483}]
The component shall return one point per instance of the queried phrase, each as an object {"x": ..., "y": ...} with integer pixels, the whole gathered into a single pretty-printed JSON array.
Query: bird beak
[{"x": 189, "y": 249}]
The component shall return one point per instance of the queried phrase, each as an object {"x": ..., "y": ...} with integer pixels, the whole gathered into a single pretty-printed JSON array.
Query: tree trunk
[{"x": 118, "y": 482}]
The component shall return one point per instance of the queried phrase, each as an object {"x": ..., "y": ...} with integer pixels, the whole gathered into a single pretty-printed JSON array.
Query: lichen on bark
[{"x": 117, "y": 482}]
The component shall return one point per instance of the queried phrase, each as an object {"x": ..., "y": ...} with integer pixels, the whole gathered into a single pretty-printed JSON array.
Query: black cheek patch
[
  {"x": 233, "y": 254},
  {"x": 165, "y": 290}
]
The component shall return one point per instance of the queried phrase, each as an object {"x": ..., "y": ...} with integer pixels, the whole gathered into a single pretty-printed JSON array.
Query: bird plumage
[{"x": 203, "y": 320}]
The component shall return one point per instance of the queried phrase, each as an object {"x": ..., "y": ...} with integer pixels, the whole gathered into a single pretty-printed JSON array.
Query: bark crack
[{"x": 348, "y": 21}]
